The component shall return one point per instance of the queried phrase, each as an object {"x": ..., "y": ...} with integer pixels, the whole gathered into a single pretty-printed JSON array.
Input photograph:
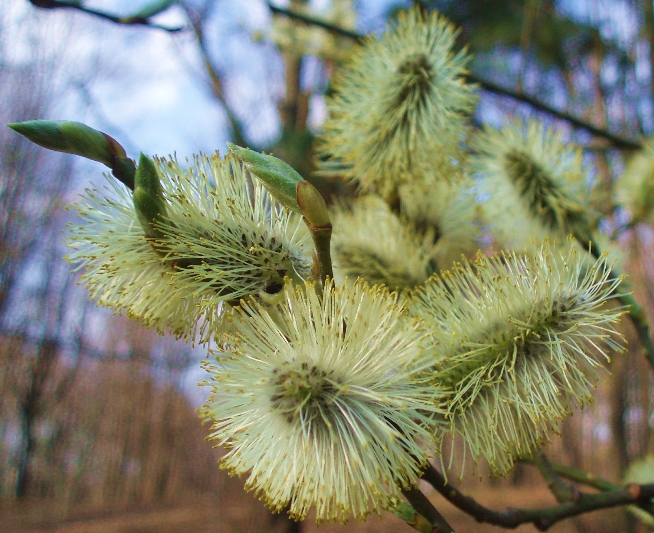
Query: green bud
[
  {"x": 46, "y": 133},
  {"x": 124, "y": 170},
  {"x": 312, "y": 204},
  {"x": 148, "y": 197},
  {"x": 79, "y": 139},
  {"x": 72, "y": 138},
  {"x": 279, "y": 178}
]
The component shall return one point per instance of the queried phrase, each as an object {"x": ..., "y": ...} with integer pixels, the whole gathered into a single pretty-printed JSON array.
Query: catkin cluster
[{"x": 335, "y": 395}]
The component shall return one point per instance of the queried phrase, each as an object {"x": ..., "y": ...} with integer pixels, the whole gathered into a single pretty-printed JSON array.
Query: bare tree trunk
[
  {"x": 30, "y": 406},
  {"x": 27, "y": 451}
]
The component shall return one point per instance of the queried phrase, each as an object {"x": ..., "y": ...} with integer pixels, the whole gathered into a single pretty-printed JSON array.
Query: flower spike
[
  {"x": 373, "y": 243},
  {"x": 321, "y": 404},
  {"x": 198, "y": 239},
  {"x": 518, "y": 342},
  {"x": 399, "y": 101},
  {"x": 530, "y": 175},
  {"x": 635, "y": 187}
]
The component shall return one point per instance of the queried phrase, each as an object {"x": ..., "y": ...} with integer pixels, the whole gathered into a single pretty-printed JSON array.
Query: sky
[{"x": 147, "y": 87}]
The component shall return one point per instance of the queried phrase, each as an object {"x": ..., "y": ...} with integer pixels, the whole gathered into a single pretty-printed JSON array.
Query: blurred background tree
[{"x": 95, "y": 410}]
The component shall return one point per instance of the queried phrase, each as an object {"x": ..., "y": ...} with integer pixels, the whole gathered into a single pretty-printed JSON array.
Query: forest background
[{"x": 97, "y": 422}]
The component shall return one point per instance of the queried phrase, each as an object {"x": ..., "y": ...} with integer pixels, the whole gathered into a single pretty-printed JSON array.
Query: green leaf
[{"x": 279, "y": 178}]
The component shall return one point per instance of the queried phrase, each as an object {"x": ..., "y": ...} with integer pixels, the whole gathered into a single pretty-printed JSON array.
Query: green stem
[
  {"x": 579, "y": 476},
  {"x": 124, "y": 170},
  {"x": 322, "y": 236},
  {"x": 562, "y": 491}
]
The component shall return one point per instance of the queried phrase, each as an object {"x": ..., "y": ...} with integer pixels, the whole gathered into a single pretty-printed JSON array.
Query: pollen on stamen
[
  {"x": 549, "y": 327},
  {"x": 344, "y": 407}
]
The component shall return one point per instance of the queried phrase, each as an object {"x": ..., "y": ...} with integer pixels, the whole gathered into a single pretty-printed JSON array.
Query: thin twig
[
  {"x": 322, "y": 236},
  {"x": 617, "y": 140},
  {"x": 586, "y": 478},
  {"x": 562, "y": 491},
  {"x": 576, "y": 474},
  {"x": 542, "y": 519},
  {"x": 487, "y": 85},
  {"x": 294, "y": 15},
  {"x": 124, "y": 21},
  {"x": 216, "y": 83}
]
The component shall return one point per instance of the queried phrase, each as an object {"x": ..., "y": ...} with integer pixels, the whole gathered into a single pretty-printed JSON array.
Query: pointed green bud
[
  {"x": 72, "y": 138},
  {"x": 148, "y": 197},
  {"x": 79, "y": 139},
  {"x": 312, "y": 204},
  {"x": 124, "y": 170},
  {"x": 279, "y": 178}
]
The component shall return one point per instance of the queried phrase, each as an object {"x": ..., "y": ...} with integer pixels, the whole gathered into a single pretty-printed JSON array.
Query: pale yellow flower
[
  {"x": 225, "y": 239},
  {"x": 373, "y": 243},
  {"x": 400, "y": 102},
  {"x": 519, "y": 342},
  {"x": 450, "y": 209},
  {"x": 635, "y": 187},
  {"x": 324, "y": 402},
  {"x": 293, "y": 37},
  {"x": 534, "y": 184}
]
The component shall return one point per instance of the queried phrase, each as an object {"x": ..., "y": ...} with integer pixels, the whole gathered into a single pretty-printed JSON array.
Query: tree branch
[
  {"x": 617, "y": 140},
  {"x": 579, "y": 476},
  {"x": 542, "y": 519},
  {"x": 294, "y": 15},
  {"x": 216, "y": 83},
  {"x": 487, "y": 85},
  {"x": 124, "y": 21}
]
